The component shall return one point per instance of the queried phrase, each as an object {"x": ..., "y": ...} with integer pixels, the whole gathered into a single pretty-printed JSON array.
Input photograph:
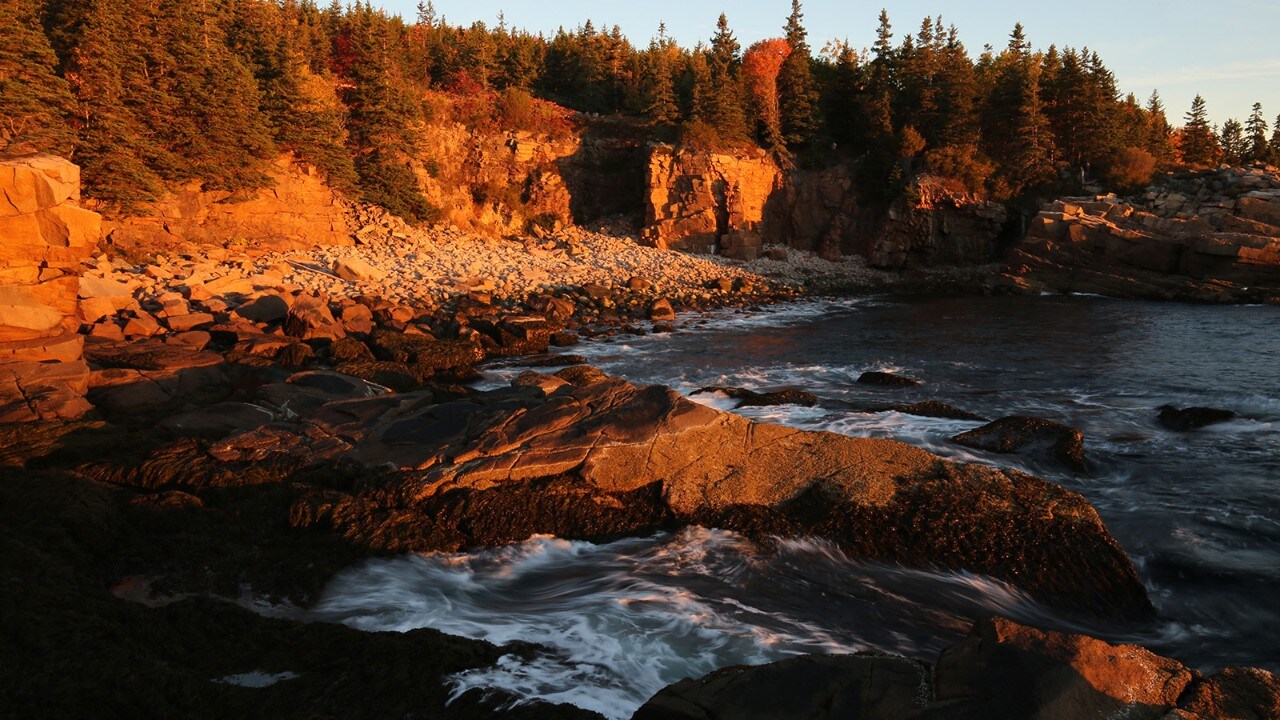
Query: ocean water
[{"x": 1198, "y": 512}]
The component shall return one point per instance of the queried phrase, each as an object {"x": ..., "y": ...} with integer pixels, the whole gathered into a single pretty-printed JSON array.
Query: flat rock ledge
[{"x": 589, "y": 457}]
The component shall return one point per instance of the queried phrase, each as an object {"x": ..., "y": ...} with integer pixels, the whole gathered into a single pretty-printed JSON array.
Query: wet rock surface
[
  {"x": 1002, "y": 670},
  {"x": 887, "y": 379},
  {"x": 1193, "y": 418},
  {"x": 752, "y": 398},
  {"x": 1037, "y": 438}
]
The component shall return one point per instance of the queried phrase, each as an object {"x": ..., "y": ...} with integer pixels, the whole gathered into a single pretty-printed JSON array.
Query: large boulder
[
  {"x": 355, "y": 269},
  {"x": 604, "y": 459}
]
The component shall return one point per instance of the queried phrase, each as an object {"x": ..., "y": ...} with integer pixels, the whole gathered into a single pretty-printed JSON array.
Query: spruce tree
[
  {"x": 1197, "y": 144},
  {"x": 1273, "y": 147},
  {"x": 1159, "y": 135},
  {"x": 725, "y": 111},
  {"x": 381, "y": 118},
  {"x": 1018, "y": 130},
  {"x": 117, "y": 153},
  {"x": 957, "y": 95},
  {"x": 1232, "y": 141},
  {"x": 881, "y": 85},
  {"x": 797, "y": 94},
  {"x": 34, "y": 100},
  {"x": 662, "y": 106},
  {"x": 1255, "y": 130},
  {"x": 216, "y": 126}
]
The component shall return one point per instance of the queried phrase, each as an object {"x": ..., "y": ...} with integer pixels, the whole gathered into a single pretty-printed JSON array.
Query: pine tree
[
  {"x": 1197, "y": 143},
  {"x": 797, "y": 94},
  {"x": 957, "y": 95},
  {"x": 1273, "y": 147},
  {"x": 1018, "y": 131},
  {"x": 34, "y": 101},
  {"x": 1159, "y": 137},
  {"x": 881, "y": 85},
  {"x": 118, "y": 156},
  {"x": 1232, "y": 142},
  {"x": 662, "y": 107},
  {"x": 1255, "y": 130},
  {"x": 725, "y": 112},
  {"x": 381, "y": 119},
  {"x": 215, "y": 124}
]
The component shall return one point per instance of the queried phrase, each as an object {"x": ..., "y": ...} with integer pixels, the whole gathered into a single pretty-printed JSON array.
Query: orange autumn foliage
[{"x": 761, "y": 64}]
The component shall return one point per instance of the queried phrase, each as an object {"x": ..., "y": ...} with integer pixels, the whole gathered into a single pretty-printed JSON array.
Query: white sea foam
[{"x": 621, "y": 621}]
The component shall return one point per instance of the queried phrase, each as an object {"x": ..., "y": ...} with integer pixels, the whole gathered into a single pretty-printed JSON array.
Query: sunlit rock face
[{"x": 45, "y": 236}]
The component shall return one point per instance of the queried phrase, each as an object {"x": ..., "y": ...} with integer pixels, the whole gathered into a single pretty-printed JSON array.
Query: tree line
[{"x": 144, "y": 95}]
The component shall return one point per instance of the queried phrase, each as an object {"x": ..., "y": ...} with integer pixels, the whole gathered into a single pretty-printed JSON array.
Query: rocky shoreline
[{"x": 193, "y": 441}]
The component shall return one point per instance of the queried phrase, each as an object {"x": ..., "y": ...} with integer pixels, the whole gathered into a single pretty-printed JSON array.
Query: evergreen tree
[
  {"x": 881, "y": 86},
  {"x": 846, "y": 117},
  {"x": 662, "y": 104},
  {"x": 725, "y": 111},
  {"x": 957, "y": 95},
  {"x": 1197, "y": 143},
  {"x": 215, "y": 125},
  {"x": 381, "y": 119},
  {"x": 34, "y": 101},
  {"x": 797, "y": 94},
  {"x": 1159, "y": 137},
  {"x": 118, "y": 156},
  {"x": 1273, "y": 147},
  {"x": 1232, "y": 141},
  {"x": 1018, "y": 131},
  {"x": 1255, "y": 131}
]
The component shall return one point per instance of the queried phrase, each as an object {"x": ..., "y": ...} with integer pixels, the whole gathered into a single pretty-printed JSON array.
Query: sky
[{"x": 1226, "y": 50}]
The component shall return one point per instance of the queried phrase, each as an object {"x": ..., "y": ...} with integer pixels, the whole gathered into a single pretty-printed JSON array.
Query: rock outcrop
[
  {"x": 933, "y": 224},
  {"x": 736, "y": 204},
  {"x": 297, "y": 210},
  {"x": 44, "y": 236},
  {"x": 1002, "y": 670},
  {"x": 1211, "y": 236},
  {"x": 701, "y": 202},
  {"x": 599, "y": 459}
]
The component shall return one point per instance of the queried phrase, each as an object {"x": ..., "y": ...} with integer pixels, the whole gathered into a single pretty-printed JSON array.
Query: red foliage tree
[{"x": 760, "y": 67}]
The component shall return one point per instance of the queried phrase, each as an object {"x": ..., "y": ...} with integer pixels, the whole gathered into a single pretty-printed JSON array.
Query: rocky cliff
[
  {"x": 297, "y": 210},
  {"x": 704, "y": 202},
  {"x": 931, "y": 225},
  {"x": 735, "y": 204},
  {"x": 1211, "y": 236},
  {"x": 46, "y": 235}
]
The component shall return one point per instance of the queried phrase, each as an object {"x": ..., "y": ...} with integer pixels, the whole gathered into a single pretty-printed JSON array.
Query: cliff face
[
  {"x": 1212, "y": 236},
  {"x": 700, "y": 202},
  {"x": 735, "y": 204},
  {"x": 45, "y": 236},
  {"x": 299, "y": 210}
]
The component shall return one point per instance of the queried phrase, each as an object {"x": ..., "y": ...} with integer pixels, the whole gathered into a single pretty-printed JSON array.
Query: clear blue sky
[{"x": 1226, "y": 50}]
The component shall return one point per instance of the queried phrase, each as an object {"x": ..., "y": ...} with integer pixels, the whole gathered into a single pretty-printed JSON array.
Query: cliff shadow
[{"x": 606, "y": 176}]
